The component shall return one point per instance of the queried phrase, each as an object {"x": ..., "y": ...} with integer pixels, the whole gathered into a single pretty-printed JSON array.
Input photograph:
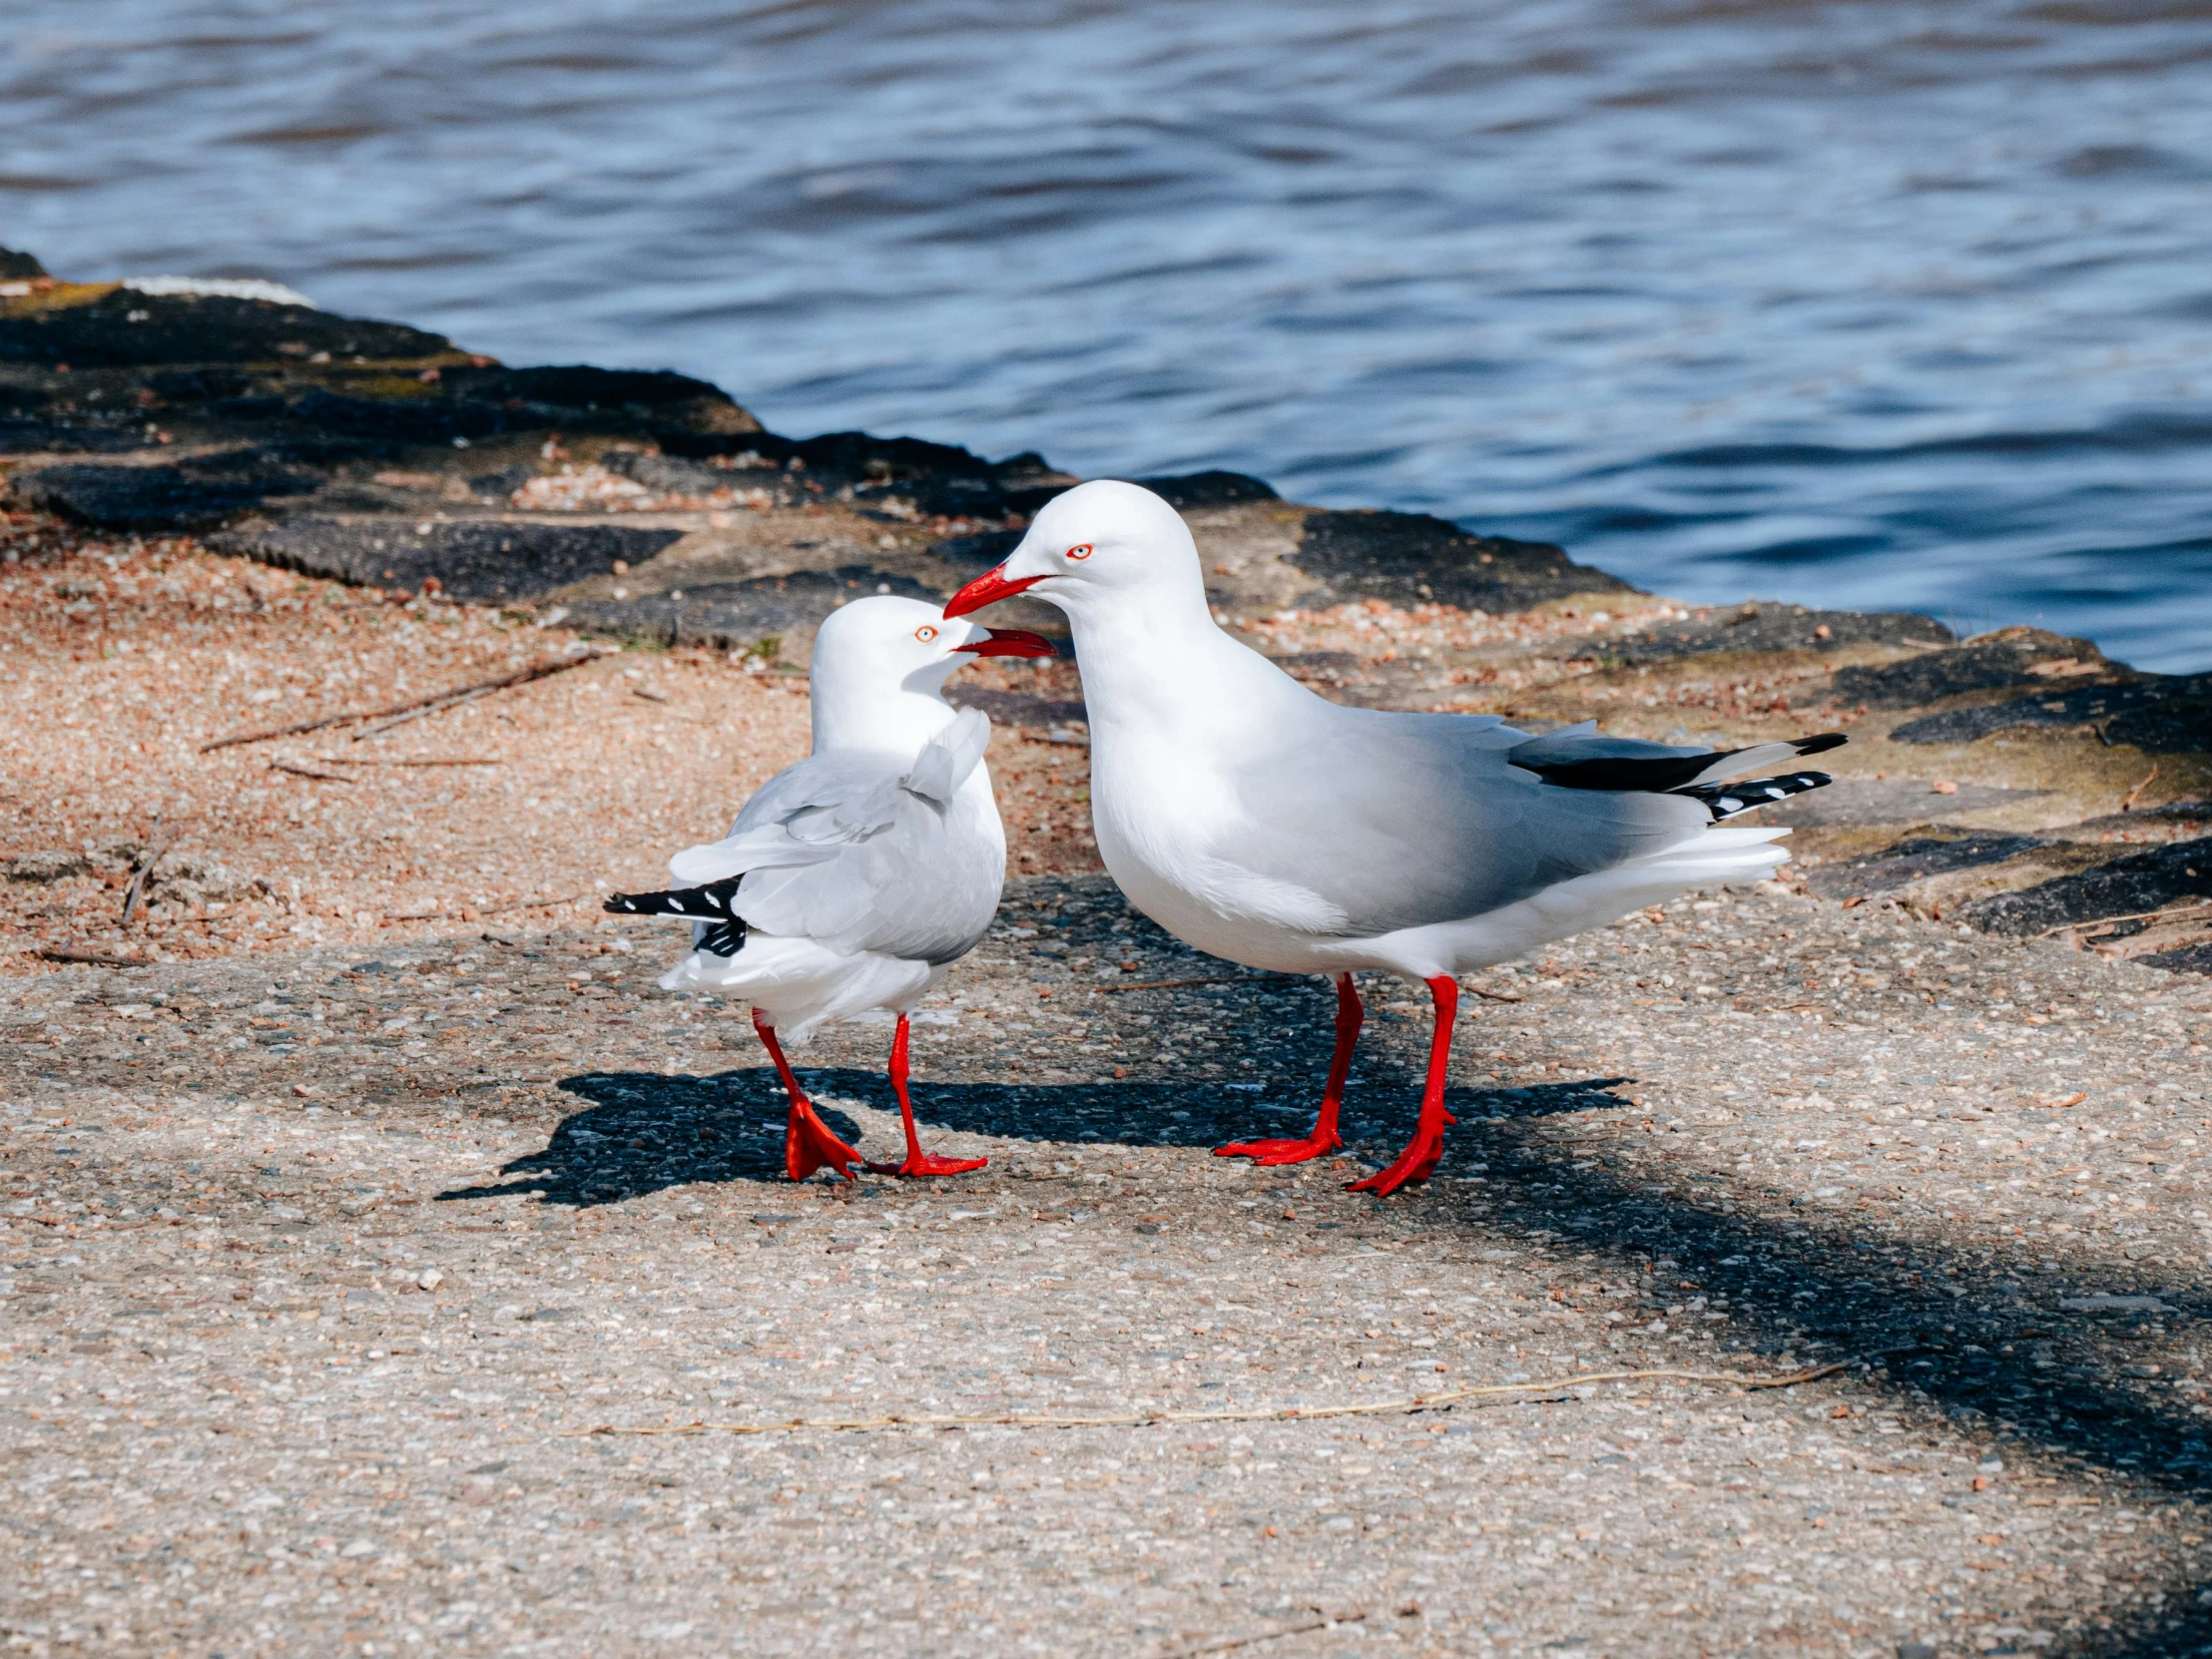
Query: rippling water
[{"x": 1870, "y": 304}]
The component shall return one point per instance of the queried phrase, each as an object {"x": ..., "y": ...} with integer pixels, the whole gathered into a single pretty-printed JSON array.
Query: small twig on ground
[
  {"x": 1258, "y": 1413},
  {"x": 1260, "y": 979},
  {"x": 435, "y": 913},
  {"x": 348, "y": 761},
  {"x": 2139, "y": 915},
  {"x": 2128, "y": 805},
  {"x": 526, "y": 904},
  {"x": 91, "y": 958},
  {"x": 521, "y": 676},
  {"x": 649, "y": 696},
  {"x": 1230, "y": 1644},
  {"x": 1219, "y": 979},
  {"x": 423, "y": 713},
  {"x": 303, "y": 772},
  {"x": 138, "y": 880}
]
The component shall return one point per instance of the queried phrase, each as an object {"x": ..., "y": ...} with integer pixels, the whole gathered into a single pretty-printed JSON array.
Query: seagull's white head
[
  {"x": 1100, "y": 546},
  {"x": 880, "y": 664}
]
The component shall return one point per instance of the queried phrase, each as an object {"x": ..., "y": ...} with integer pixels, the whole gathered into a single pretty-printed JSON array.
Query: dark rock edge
[{"x": 284, "y": 422}]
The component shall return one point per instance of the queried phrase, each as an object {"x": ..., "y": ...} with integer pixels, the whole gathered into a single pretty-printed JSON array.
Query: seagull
[
  {"x": 1265, "y": 824},
  {"x": 856, "y": 877}
]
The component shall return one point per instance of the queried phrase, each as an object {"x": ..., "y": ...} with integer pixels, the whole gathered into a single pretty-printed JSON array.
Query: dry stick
[
  {"x": 423, "y": 713},
  {"x": 2128, "y": 805},
  {"x": 92, "y": 958},
  {"x": 302, "y": 771},
  {"x": 1264, "y": 1413},
  {"x": 138, "y": 882},
  {"x": 1257, "y": 979},
  {"x": 348, "y": 761},
  {"x": 1230, "y": 1644},
  {"x": 526, "y": 904},
  {"x": 521, "y": 676},
  {"x": 2139, "y": 915},
  {"x": 482, "y": 909},
  {"x": 1224, "y": 979}
]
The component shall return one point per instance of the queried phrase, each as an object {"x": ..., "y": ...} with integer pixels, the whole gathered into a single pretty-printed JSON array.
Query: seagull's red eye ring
[
  {"x": 1080, "y": 551},
  {"x": 926, "y": 633}
]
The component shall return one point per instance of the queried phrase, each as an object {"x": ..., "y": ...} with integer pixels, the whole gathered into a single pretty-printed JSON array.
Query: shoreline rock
[{"x": 647, "y": 505}]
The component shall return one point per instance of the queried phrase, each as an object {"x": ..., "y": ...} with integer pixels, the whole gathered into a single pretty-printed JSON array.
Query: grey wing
[
  {"x": 851, "y": 849},
  {"x": 922, "y": 886},
  {"x": 1408, "y": 820},
  {"x": 1582, "y": 743},
  {"x": 802, "y": 816}
]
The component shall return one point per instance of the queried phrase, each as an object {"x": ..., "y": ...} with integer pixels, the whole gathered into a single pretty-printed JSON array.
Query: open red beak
[
  {"x": 1010, "y": 642},
  {"x": 988, "y": 588}
]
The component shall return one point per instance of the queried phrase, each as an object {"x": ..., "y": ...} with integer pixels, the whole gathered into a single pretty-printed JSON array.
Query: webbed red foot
[
  {"x": 924, "y": 1162},
  {"x": 809, "y": 1144},
  {"x": 1414, "y": 1166},
  {"x": 1318, "y": 1144},
  {"x": 1323, "y": 1140},
  {"x": 917, "y": 1161},
  {"x": 1419, "y": 1161}
]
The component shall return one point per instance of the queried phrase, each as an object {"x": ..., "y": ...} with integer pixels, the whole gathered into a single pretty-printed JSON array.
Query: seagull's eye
[
  {"x": 1080, "y": 551},
  {"x": 926, "y": 633}
]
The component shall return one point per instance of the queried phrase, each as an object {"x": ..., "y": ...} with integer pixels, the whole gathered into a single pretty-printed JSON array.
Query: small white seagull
[
  {"x": 1265, "y": 824},
  {"x": 853, "y": 879}
]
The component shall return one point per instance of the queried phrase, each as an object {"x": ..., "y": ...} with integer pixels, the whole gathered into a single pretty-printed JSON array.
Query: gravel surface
[
  {"x": 316, "y": 1262},
  {"x": 120, "y": 660}
]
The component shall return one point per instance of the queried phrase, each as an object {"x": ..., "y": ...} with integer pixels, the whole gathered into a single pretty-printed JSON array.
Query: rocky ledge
[{"x": 2019, "y": 782}]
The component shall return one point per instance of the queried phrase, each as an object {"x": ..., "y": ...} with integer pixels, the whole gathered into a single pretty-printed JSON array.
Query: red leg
[
  {"x": 808, "y": 1143},
  {"x": 1325, "y": 1139},
  {"x": 917, "y": 1161},
  {"x": 1419, "y": 1161}
]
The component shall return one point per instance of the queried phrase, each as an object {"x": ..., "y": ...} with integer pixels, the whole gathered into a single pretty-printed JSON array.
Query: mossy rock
[
  {"x": 480, "y": 561},
  {"x": 736, "y": 615},
  {"x": 2010, "y": 657},
  {"x": 1414, "y": 559},
  {"x": 117, "y": 328}
]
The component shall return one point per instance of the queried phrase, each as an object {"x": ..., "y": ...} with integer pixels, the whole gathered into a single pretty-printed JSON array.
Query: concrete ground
[{"x": 317, "y": 1262}]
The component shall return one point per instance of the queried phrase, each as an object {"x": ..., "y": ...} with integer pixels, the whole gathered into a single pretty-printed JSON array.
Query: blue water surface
[{"x": 1870, "y": 304}]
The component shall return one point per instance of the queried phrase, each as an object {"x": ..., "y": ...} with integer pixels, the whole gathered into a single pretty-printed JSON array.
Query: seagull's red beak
[
  {"x": 988, "y": 588},
  {"x": 1010, "y": 642}
]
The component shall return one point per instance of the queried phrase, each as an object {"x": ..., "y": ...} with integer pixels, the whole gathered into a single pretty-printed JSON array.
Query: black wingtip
[
  {"x": 1820, "y": 745},
  {"x": 1725, "y": 801}
]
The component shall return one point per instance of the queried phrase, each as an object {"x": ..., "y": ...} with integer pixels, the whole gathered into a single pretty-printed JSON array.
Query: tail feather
[
  {"x": 1727, "y": 799},
  {"x": 720, "y": 930},
  {"x": 1737, "y": 762}
]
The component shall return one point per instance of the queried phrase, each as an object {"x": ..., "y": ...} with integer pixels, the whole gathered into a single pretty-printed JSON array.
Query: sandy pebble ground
[
  {"x": 120, "y": 660},
  {"x": 317, "y": 1261}
]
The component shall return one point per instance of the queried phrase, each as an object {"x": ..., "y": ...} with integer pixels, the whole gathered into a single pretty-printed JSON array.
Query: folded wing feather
[{"x": 852, "y": 848}]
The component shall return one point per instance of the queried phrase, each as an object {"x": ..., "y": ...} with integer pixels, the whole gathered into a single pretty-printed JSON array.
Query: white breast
[{"x": 1168, "y": 830}]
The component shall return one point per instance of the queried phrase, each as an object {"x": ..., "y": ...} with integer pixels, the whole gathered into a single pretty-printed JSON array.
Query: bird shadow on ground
[
  {"x": 1952, "y": 1326},
  {"x": 1956, "y": 1328},
  {"x": 644, "y": 1132}
]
